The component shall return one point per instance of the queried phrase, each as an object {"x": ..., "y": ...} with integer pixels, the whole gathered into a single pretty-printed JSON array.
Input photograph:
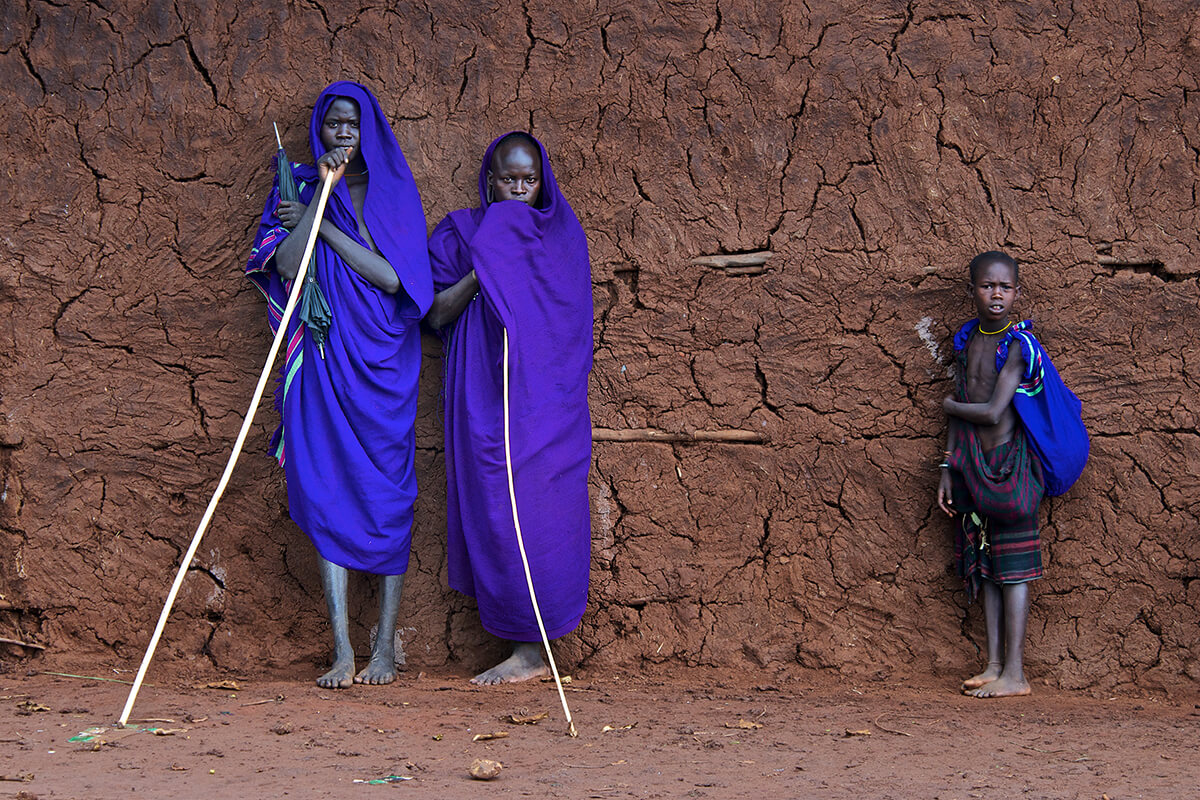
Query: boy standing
[
  {"x": 348, "y": 406},
  {"x": 516, "y": 270},
  {"x": 991, "y": 478}
]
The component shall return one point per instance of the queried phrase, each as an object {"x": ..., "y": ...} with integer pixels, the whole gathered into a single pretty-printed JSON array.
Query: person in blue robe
[{"x": 348, "y": 406}]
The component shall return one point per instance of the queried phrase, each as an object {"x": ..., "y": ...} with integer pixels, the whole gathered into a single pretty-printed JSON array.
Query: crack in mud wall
[{"x": 847, "y": 159}]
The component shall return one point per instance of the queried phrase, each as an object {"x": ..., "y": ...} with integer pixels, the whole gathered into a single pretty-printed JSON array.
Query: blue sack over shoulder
[{"x": 1050, "y": 412}]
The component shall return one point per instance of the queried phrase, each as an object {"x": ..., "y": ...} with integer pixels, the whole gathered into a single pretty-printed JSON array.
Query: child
[
  {"x": 347, "y": 411},
  {"x": 991, "y": 477},
  {"x": 518, "y": 264}
]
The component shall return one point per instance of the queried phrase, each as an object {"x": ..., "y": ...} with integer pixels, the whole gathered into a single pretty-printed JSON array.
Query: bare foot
[
  {"x": 525, "y": 663},
  {"x": 1003, "y": 687},
  {"x": 379, "y": 670},
  {"x": 987, "y": 676},
  {"x": 340, "y": 677}
]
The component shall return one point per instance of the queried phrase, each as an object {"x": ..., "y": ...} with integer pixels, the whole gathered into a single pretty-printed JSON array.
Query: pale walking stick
[
  {"x": 280, "y": 335},
  {"x": 512, "y": 496}
]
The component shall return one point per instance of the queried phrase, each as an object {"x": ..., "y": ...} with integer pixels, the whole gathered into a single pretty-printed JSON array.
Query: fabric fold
[{"x": 346, "y": 435}]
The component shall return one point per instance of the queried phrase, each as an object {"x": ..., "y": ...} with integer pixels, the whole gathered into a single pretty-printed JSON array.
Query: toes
[{"x": 375, "y": 678}]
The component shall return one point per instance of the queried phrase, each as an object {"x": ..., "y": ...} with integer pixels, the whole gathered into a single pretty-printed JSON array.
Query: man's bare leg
[
  {"x": 993, "y": 616},
  {"x": 382, "y": 666},
  {"x": 334, "y": 580},
  {"x": 1011, "y": 682},
  {"x": 524, "y": 663}
]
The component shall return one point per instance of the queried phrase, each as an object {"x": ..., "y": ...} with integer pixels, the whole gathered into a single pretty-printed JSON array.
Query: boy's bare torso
[{"x": 981, "y": 384}]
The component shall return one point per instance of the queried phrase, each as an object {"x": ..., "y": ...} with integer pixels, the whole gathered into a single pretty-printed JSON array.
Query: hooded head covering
[
  {"x": 548, "y": 197},
  {"x": 392, "y": 210}
]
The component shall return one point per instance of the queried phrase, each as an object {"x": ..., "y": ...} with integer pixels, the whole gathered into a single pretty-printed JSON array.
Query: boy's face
[
  {"x": 516, "y": 173},
  {"x": 994, "y": 291},
  {"x": 340, "y": 126}
]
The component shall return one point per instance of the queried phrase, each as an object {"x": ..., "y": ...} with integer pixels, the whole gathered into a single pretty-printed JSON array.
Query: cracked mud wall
[{"x": 871, "y": 149}]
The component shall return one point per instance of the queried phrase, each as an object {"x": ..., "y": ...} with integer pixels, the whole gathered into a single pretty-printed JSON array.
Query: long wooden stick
[
  {"x": 512, "y": 496},
  {"x": 724, "y": 261},
  {"x": 652, "y": 435},
  {"x": 280, "y": 335}
]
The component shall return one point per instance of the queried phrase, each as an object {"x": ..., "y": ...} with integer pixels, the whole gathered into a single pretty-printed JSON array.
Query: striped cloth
[
  {"x": 996, "y": 495},
  {"x": 259, "y": 272}
]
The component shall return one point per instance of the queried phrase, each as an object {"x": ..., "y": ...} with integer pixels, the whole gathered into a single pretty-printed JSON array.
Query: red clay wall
[{"x": 873, "y": 151}]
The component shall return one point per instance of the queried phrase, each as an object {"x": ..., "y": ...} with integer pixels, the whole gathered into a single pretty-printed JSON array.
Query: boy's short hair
[{"x": 992, "y": 257}]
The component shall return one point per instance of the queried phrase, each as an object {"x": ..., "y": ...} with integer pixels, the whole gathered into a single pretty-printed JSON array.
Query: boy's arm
[
  {"x": 450, "y": 303},
  {"x": 944, "y": 494},
  {"x": 372, "y": 266},
  {"x": 992, "y": 411}
]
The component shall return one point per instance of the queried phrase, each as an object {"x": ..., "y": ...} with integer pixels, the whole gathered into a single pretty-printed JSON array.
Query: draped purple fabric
[
  {"x": 535, "y": 279},
  {"x": 346, "y": 437}
]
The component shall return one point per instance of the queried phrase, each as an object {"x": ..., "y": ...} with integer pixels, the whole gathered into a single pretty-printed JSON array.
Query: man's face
[
  {"x": 340, "y": 126},
  {"x": 516, "y": 173}
]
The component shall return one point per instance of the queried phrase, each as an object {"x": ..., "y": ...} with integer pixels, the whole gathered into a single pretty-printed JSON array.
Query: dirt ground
[{"x": 702, "y": 735}]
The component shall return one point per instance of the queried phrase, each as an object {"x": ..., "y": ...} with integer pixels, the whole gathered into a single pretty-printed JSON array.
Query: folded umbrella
[{"x": 314, "y": 308}]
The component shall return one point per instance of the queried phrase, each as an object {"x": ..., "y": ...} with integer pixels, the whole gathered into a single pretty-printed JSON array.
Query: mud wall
[{"x": 870, "y": 150}]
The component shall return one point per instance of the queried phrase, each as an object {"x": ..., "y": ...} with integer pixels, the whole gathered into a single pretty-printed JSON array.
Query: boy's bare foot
[
  {"x": 1003, "y": 687},
  {"x": 340, "y": 677},
  {"x": 378, "y": 671},
  {"x": 987, "y": 676},
  {"x": 525, "y": 663}
]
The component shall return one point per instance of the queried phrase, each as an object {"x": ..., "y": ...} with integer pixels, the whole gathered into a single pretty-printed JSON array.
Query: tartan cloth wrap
[{"x": 996, "y": 495}]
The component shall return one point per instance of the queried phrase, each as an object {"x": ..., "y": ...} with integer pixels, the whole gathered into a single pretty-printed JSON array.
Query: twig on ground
[
  {"x": 6, "y": 640},
  {"x": 887, "y": 729},
  {"x": 90, "y": 678}
]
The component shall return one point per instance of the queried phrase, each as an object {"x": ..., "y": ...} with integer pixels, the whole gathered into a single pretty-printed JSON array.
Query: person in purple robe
[
  {"x": 348, "y": 406},
  {"x": 517, "y": 264}
]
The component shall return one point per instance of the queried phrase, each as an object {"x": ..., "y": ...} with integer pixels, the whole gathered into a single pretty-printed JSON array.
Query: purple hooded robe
[
  {"x": 535, "y": 281},
  {"x": 346, "y": 437}
]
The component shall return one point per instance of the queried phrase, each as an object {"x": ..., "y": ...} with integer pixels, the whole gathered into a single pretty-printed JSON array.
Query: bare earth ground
[{"x": 673, "y": 735}]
